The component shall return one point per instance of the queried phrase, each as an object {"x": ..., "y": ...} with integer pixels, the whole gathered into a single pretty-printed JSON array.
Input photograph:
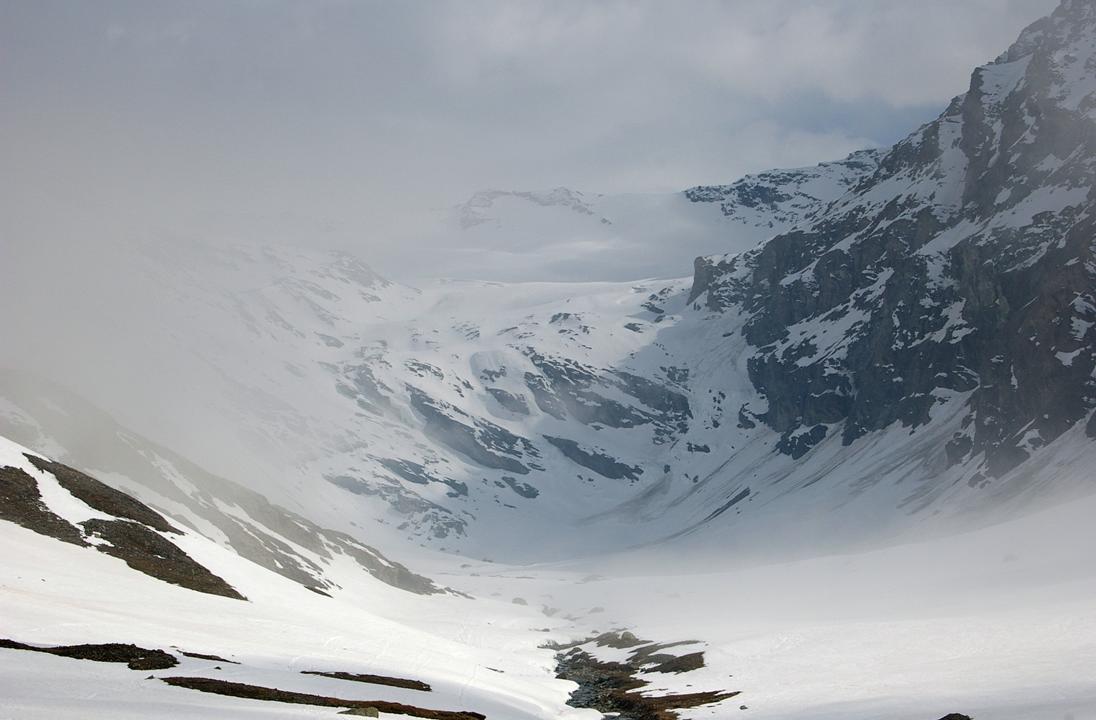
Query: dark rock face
[
  {"x": 417, "y": 473},
  {"x": 961, "y": 266},
  {"x": 483, "y": 442},
  {"x": 102, "y": 497},
  {"x": 671, "y": 408},
  {"x": 509, "y": 401},
  {"x": 525, "y": 490},
  {"x": 599, "y": 462},
  {"x": 146, "y": 551},
  {"x": 565, "y": 388},
  {"x": 21, "y": 503},
  {"x": 140, "y": 545}
]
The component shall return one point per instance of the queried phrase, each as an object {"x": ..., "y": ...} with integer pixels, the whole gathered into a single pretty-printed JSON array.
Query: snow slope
[
  {"x": 45, "y": 416},
  {"x": 53, "y": 592},
  {"x": 996, "y": 623}
]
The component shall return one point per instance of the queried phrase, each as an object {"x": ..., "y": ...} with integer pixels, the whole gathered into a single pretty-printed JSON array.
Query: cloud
[{"x": 358, "y": 120}]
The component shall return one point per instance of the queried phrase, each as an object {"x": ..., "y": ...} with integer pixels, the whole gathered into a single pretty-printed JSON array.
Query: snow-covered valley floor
[{"x": 997, "y": 624}]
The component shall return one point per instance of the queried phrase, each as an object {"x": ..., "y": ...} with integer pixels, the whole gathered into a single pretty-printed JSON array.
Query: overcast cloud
[{"x": 353, "y": 123}]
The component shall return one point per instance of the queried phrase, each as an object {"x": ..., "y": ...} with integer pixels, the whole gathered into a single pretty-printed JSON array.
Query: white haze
[
  {"x": 131, "y": 127},
  {"x": 358, "y": 125}
]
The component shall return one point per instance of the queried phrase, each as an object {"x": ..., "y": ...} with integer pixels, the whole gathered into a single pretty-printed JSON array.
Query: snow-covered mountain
[
  {"x": 895, "y": 345},
  {"x": 899, "y": 338},
  {"x": 92, "y": 574},
  {"x": 958, "y": 275},
  {"x": 238, "y": 519},
  {"x": 913, "y": 341},
  {"x": 568, "y": 235}
]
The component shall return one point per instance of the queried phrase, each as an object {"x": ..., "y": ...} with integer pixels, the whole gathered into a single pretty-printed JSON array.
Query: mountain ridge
[{"x": 860, "y": 359}]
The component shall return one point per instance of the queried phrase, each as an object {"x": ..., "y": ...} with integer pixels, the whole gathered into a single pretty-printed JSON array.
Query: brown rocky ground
[
  {"x": 372, "y": 679},
  {"x": 135, "y": 658},
  {"x": 257, "y": 692},
  {"x": 613, "y": 687}
]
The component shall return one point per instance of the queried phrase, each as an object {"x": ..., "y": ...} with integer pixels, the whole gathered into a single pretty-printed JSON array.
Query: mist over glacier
[{"x": 485, "y": 350}]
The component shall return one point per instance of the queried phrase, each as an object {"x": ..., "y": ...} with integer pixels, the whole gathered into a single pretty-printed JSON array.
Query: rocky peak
[
  {"x": 961, "y": 267},
  {"x": 779, "y": 198},
  {"x": 1072, "y": 20}
]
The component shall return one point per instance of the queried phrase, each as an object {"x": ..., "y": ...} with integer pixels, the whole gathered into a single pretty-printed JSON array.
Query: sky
[{"x": 355, "y": 124}]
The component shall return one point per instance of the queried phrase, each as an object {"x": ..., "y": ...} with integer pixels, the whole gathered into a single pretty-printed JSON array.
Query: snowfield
[
  {"x": 997, "y": 623},
  {"x": 52, "y": 593},
  {"x": 842, "y": 471}
]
